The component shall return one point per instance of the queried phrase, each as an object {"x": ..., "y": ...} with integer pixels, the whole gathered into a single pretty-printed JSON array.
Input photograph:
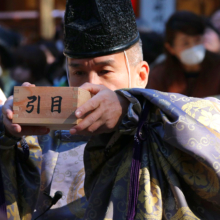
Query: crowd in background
[
  {"x": 42, "y": 63},
  {"x": 184, "y": 59}
]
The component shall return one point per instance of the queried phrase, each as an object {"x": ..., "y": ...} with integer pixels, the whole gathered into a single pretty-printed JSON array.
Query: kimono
[
  {"x": 163, "y": 163},
  {"x": 54, "y": 163},
  {"x": 168, "y": 169}
]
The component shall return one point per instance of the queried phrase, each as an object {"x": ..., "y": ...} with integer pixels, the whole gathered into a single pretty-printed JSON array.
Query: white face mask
[{"x": 193, "y": 55}]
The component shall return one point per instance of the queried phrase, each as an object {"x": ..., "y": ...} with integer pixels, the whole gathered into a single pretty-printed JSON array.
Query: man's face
[{"x": 110, "y": 71}]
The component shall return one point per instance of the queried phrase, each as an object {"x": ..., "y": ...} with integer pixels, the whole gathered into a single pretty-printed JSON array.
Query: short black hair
[{"x": 185, "y": 22}]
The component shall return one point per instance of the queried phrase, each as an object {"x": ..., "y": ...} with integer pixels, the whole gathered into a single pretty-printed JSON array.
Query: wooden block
[{"x": 53, "y": 107}]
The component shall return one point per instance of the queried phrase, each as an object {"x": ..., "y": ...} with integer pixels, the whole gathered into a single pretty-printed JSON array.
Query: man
[
  {"x": 172, "y": 170},
  {"x": 114, "y": 57}
]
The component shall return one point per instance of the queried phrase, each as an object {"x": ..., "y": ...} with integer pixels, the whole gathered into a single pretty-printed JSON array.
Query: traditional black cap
[{"x": 98, "y": 27}]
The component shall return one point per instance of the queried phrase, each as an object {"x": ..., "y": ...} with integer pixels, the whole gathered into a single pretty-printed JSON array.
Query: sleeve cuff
[{"x": 130, "y": 120}]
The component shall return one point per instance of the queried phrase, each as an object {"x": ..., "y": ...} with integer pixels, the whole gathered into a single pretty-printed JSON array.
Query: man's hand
[
  {"x": 103, "y": 112},
  {"x": 15, "y": 129}
]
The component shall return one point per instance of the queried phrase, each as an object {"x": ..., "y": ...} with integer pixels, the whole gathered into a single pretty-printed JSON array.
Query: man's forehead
[{"x": 103, "y": 60}]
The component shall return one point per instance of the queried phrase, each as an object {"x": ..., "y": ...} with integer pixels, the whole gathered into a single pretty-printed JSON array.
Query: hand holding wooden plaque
[{"x": 53, "y": 107}]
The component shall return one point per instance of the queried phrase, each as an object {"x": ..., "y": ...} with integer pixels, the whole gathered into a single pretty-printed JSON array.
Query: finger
[
  {"x": 27, "y": 84},
  {"x": 7, "y": 111},
  {"x": 13, "y": 129},
  {"x": 7, "y": 108},
  {"x": 95, "y": 127},
  {"x": 9, "y": 114},
  {"x": 88, "y": 120},
  {"x": 94, "y": 89},
  {"x": 89, "y": 106},
  {"x": 92, "y": 130},
  {"x": 19, "y": 131}
]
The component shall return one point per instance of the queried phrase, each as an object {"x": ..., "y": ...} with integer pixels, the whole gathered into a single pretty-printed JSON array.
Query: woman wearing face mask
[{"x": 188, "y": 69}]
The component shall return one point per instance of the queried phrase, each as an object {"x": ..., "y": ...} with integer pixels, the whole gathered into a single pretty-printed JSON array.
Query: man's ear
[{"x": 142, "y": 74}]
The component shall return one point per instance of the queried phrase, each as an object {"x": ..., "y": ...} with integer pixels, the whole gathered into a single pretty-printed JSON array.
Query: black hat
[{"x": 99, "y": 27}]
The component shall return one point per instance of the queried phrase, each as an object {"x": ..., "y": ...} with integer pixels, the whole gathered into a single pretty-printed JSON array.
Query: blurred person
[
  {"x": 152, "y": 44},
  {"x": 50, "y": 50},
  {"x": 189, "y": 68},
  {"x": 30, "y": 66},
  {"x": 215, "y": 19},
  {"x": 56, "y": 72},
  {"x": 11, "y": 38},
  {"x": 211, "y": 38},
  {"x": 8, "y": 41},
  {"x": 59, "y": 37}
]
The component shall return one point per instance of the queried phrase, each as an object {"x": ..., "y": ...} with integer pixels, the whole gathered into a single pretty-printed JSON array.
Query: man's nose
[{"x": 94, "y": 78}]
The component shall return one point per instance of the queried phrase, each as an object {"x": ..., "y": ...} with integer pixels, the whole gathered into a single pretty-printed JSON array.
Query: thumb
[
  {"x": 27, "y": 84},
  {"x": 92, "y": 88}
]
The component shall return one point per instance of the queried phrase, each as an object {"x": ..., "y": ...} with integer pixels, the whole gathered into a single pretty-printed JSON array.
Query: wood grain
[{"x": 45, "y": 109}]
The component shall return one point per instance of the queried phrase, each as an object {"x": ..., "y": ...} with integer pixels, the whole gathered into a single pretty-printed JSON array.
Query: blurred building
[
  {"x": 34, "y": 19},
  {"x": 38, "y": 18},
  {"x": 153, "y": 14}
]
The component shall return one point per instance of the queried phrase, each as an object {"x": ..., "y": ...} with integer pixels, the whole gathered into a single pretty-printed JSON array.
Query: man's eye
[{"x": 104, "y": 71}]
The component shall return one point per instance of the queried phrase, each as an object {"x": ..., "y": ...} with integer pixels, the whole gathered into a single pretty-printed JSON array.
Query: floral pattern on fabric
[
  {"x": 21, "y": 180},
  {"x": 55, "y": 164},
  {"x": 180, "y": 163}
]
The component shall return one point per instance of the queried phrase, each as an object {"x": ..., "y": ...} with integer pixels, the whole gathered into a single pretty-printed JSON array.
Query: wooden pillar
[{"x": 47, "y": 22}]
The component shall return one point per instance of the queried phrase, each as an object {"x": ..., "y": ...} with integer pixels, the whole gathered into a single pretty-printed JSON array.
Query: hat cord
[{"x": 129, "y": 71}]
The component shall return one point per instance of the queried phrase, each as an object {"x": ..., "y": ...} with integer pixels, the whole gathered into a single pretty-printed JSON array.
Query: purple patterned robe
[
  {"x": 55, "y": 164},
  {"x": 179, "y": 176}
]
